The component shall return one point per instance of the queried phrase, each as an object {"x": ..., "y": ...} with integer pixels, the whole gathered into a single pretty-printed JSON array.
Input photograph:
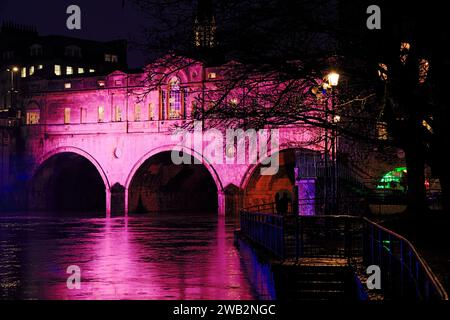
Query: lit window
[
  {"x": 31, "y": 70},
  {"x": 66, "y": 115},
  {"x": 69, "y": 70},
  {"x": 23, "y": 74},
  {"x": 40, "y": 67},
  {"x": 175, "y": 99},
  {"x": 137, "y": 112},
  {"x": 91, "y": 70},
  {"x": 67, "y": 85},
  {"x": 111, "y": 58},
  {"x": 101, "y": 114},
  {"x": 117, "y": 114},
  {"x": 101, "y": 83},
  {"x": 212, "y": 75},
  {"x": 33, "y": 117},
  {"x": 57, "y": 70},
  {"x": 80, "y": 70},
  {"x": 150, "y": 111}
]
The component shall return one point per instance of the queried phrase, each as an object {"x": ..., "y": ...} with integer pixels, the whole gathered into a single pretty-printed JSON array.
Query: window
[
  {"x": 101, "y": 114},
  {"x": 67, "y": 85},
  {"x": 31, "y": 70},
  {"x": 80, "y": 70},
  {"x": 57, "y": 69},
  {"x": 40, "y": 67},
  {"x": 175, "y": 99},
  {"x": 162, "y": 103},
  {"x": 69, "y": 70},
  {"x": 150, "y": 111},
  {"x": 111, "y": 58},
  {"x": 118, "y": 82},
  {"x": 73, "y": 51},
  {"x": 137, "y": 112},
  {"x": 8, "y": 55},
  {"x": 117, "y": 114},
  {"x": 212, "y": 75},
  {"x": 91, "y": 70},
  {"x": 83, "y": 115},
  {"x": 23, "y": 74},
  {"x": 33, "y": 117},
  {"x": 101, "y": 83},
  {"x": 36, "y": 50},
  {"x": 66, "y": 115}
]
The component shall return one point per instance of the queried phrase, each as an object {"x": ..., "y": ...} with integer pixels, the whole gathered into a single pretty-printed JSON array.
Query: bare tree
[{"x": 278, "y": 53}]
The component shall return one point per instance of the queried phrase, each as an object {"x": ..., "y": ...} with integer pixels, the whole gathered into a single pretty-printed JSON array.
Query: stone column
[{"x": 117, "y": 200}]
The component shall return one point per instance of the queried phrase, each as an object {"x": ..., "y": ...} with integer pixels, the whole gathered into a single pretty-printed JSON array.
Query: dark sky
[{"x": 101, "y": 20}]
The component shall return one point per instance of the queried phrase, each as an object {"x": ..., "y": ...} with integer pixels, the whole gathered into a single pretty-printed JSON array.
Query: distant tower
[{"x": 205, "y": 26}]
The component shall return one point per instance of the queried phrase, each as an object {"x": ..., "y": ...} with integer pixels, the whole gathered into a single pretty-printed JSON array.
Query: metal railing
[
  {"x": 266, "y": 230},
  {"x": 405, "y": 274}
]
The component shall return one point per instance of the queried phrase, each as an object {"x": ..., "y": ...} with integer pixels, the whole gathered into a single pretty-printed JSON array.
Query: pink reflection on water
[{"x": 151, "y": 258}]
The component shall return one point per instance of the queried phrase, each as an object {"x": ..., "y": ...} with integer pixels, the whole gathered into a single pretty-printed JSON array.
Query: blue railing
[{"x": 266, "y": 230}]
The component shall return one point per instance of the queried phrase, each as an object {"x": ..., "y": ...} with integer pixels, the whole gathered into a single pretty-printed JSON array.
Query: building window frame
[{"x": 67, "y": 114}]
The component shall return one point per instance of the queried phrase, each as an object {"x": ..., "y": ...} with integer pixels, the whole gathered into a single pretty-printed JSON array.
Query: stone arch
[
  {"x": 252, "y": 168},
  {"x": 251, "y": 172},
  {"x": 62, "y": 179},
  {"x": 40, "y": 161},
  {"x": 168, "y": 148}
]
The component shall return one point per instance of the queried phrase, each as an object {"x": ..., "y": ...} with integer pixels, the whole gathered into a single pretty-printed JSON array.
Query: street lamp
[
  {"x": 333, "y": 81},
  {"x": 12, "y": 70}
]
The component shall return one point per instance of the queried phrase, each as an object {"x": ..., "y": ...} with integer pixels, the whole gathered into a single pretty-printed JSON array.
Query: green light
[{"x": 393, "y": 180}]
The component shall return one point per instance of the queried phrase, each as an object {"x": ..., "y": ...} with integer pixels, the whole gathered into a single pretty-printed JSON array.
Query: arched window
[{"x": 175, "y": 103}]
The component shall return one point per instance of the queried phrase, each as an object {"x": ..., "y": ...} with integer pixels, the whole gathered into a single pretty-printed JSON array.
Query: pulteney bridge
[{"x": 93, "y": 146}]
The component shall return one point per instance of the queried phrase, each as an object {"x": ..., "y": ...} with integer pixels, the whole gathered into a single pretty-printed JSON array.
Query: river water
[{"x": 166, "y": 256}]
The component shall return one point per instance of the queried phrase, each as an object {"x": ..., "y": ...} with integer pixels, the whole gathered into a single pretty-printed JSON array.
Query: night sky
[{"x": 101, "y": 20}]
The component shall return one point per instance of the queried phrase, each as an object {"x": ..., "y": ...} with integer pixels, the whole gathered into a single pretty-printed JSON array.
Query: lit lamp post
[
  {"x": 333, "y": 81},
  {"x": 12, "y": 91}
]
